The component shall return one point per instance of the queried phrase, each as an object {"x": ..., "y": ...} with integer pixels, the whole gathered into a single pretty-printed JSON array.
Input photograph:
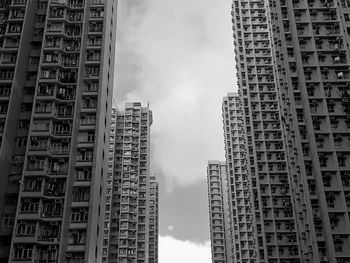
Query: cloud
[
  {"x": 173, "y": 250},
  {"x": 178, "y": 56},
  {"x": 171, "y": 228}
]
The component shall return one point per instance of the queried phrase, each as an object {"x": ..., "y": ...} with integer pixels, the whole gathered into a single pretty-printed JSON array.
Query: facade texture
[
  {"x": 239, "y": 196},
  {"x": 273, "y": 208},
  {"x": 312, "y": 57},
  {"x": 109, "y": 187},
  {"x": 133, "y": 189},
  {"x": 219, "y": 212},
  {"x": 153, "y": 220},
  {"x": 56, "y": 77},
  {"x": 292, "y": 60}
]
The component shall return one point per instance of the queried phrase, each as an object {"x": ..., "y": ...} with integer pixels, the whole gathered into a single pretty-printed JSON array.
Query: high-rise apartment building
[
  {"x": 243, "y": 235},
  {"x": 293, "y": 71},
  {"x": 273, "y": 208},
  {"x": 219, "y": 212},
  {"x": 311, "y": 45},
  {"x": 134, "y": 219},
  {"x": 294, "y": 83},
  {"x": 109, "y": 187},
  {"x": 56, "y": 77},
  {"x": 153, "y": 220}
]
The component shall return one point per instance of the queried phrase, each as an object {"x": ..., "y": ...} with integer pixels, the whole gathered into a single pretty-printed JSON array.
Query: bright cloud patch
[
  {"x": 172, "y": 250},
  {"x": 178, "y": 55}
]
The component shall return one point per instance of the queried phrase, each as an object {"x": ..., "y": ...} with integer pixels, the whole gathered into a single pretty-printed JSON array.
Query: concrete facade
[
  {"x": 219, "y": 213},
  {"x": 273, "y": 208},
  {"x": 292, "y": 60},
  {"x": 243, "y": 236},
  {"x": 56, "y": 77},
  {"x": 312, "y": 58},
  {"x": 134, "y": 215},
  {"x": 153, "y": 220}
]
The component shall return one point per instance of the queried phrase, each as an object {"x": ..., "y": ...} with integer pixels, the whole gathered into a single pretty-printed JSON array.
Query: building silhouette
[
  {"x": 312, "y": 58},
  {"x": 243, "y": 235},
  {"x": 134, "y": 210},
  {"x": 292, "y": 62},
  {"x": 274, "y": 214},
  {"x": 219, "y": 213},
  {"x": 56, "y": 77},
  {"x": 153, "y": 220}
]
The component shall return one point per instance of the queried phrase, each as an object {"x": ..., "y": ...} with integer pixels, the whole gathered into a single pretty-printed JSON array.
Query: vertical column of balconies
[
  {"x": 240, "y": 190},
  {"x": 153, "y": 222},
  {"x": 315, "y": 61},
  {"x": 277, "y": 239},
  {"x": 156, "y": 222},
  {"x": 109, "y": 188},
  {"x": 118, "y": 192},
  {"x": 45, "y": 176},
  {"x": 241, "y": 18},
  {"x": 215, "y": 175},
  {"x": 128, "y": 228},
  {"x": 144, "y": 184},
  {"x": 130, "y": 209},
  {"x": 90, "y": 90},
  {"x": 128, "y": 224},
  {"x": 11, "y": 23},
  {"x": 232, "y": 209},
  {"x": 12, "y": 16}
]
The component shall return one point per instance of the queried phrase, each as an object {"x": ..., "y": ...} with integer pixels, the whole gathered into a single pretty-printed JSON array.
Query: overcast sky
[{"x": 178, "y": 56}]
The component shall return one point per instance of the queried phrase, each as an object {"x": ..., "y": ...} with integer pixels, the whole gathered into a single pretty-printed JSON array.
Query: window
[
  {"x": 97, "y": 2},
  {"x": 23, "y": 124},
  {"x": 88, "y": 119},
  {"x": 96, "y": 12},
  {"x": 83, "y": 175},
  {"x": 21, "y": 141},
  {"x": 93, "y": 55},
  {"x": 79, "y": 215},
  {"x": 8, "y": 220},
  {"x": 341, "y": 161},
  {"x": 24, "y": 252},
  {"x": 32, "y": 184},
  {"x": 55, "y": 27},
  {"x": 93, "y": 71},
  {"x": 25, "y": 228},
  {"x": 43, "y": 107},
  {"x": 347, "y": 18},
  {"x": 96, "y": 27},
  {"x": 36, "y": 163},
  {"x": 29, "y": 205},
  {"x": 77, "y": 236},
  {"x": 81, "y": 194}
]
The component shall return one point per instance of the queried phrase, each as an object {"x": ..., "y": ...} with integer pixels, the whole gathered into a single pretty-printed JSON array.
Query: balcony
[
  {"x": 49, "y": 232},
  {"x": 32, "y": 185},
  {"x": 14, "y": 29},
  {"x": 47, "y": 254},
  {"x": 55, "y": 188},
  {"x": 61, "y": 128},
  {"x": 67, "y": 76},
  {"x": 64, "y": 111},
  {"x": 57, "y": 149},
  {"x": 52, "y": 208},
  {"x": 71, "y": 46},
  {"x": 58, "y": 166},
  {"x": 22, "y": 252}
]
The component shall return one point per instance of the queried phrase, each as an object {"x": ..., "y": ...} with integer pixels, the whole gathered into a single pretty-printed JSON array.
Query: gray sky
[{"x": 178, "y": 56}]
